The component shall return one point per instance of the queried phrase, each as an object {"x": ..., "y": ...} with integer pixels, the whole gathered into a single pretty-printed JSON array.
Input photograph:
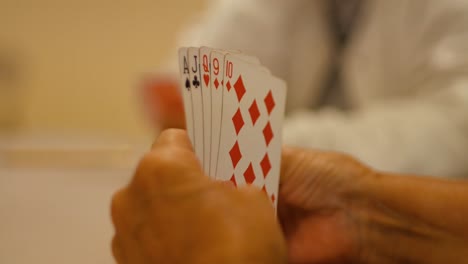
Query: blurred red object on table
[{"x": 162, "y": 101}]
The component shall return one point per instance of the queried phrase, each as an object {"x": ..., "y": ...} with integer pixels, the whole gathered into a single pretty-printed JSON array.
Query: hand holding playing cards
[
  {"x": 172, "y": 213},
  {"x": 332, "y": 208},
  {"x": 336, "y": 210},
  {"x": 315, "y": 205}
]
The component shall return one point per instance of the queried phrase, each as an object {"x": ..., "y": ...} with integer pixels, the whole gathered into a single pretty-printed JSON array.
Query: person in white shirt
[{"x": 385, "y": 81}]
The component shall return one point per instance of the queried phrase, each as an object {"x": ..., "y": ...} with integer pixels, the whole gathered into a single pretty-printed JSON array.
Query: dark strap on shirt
[{"x": 342, "y": 17}]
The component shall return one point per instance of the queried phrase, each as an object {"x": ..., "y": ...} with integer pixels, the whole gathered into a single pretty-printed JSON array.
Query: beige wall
[{"x": 81, "y": 59}]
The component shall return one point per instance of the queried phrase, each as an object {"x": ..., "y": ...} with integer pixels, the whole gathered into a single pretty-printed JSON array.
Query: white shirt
[{"x": 405, "y": 74}]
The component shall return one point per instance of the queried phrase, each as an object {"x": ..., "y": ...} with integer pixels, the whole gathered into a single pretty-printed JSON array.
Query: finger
[
  {"x": 298, "y": 176},
  {"x": 117, "y": 250},
  {"x": 121, "y": 215},
  {"x": 173, "y": 138},
  {"x": 254, "y": 194},
  {"x": 171, "y": 164},
  {"x": 229, "y": 184},
  {"x": 290, "y": 159}
]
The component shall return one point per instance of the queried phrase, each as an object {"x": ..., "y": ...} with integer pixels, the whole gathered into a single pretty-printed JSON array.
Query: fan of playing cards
[{"x": 234, "y": 110}]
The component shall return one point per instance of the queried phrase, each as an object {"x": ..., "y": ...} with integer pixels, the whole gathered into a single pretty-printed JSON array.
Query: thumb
[
  {"x": 291, "y": 159},
  {"x": 171, "y": 164},
  {"x": 175, "y": 138}
]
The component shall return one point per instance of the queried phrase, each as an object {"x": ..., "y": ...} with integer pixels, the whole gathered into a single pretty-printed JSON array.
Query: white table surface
[
  {"x": 57, "y": 216},
  {"x": 56, "y": 212}
]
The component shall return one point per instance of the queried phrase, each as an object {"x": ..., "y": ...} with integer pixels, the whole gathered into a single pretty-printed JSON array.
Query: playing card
[
  {"x": 212, "y": 137},
  {"x": 252, "y": 114},
  {"x": 217, "y": 84},
  {"x": 249, "y": 59},
  {"x": 186, "y": 93},
  {"x": 197, "y": 101},
  {"x": 205, "y": 53}
]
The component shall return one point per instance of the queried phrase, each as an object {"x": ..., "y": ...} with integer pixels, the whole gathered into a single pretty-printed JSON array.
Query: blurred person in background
[{"x": 386, "y": 81}]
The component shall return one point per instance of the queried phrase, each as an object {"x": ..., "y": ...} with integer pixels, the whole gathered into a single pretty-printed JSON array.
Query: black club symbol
[{"x": 195, "y": 82}]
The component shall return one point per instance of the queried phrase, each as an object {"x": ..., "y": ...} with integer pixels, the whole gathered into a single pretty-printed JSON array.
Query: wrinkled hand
[
  {"x": 320, "y": 220},
  {"x": 172, "y": 213}
]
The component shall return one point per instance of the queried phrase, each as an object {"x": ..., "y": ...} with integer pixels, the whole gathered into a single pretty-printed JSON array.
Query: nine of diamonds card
[{"x": 234, "y": 112}]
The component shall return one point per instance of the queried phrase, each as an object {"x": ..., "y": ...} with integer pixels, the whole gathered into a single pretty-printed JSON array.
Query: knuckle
[
  {"x": 256, "y": 197},
  {"x": 147, "y": 168},
  {"x": 250, "y": 190},
  {"x": 154, "y": 144},
  {"x": 114, "y": 246},
  {"x": 151, "y": 161},
  {"x": 158, "y": 164},
  {"x": 161, "y": 158},
  {"x": 253, "y": 192},
  {"x": 173, "y": 133},
  {"x": 148, "y": 161},
  {"x": 118, "y": 207},
  {"x": 116, "y": 250}
]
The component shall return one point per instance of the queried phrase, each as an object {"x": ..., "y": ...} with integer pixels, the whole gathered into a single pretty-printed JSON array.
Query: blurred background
[
  {"x": 71, "y": 124},
  {"x": 69, "y": 65}
]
